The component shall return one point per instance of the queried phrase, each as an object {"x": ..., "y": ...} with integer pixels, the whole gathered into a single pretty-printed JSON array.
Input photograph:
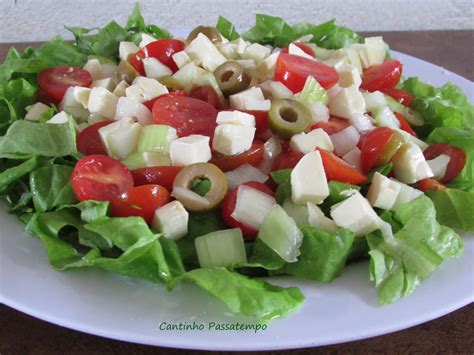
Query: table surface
[{"x": 21, "y": 334}]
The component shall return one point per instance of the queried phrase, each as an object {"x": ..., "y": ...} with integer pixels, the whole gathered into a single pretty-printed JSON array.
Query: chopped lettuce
[
  {"x": 227, "y": 29},
  {"x": 283, "y": 179},
  {"x": 454, "y": 208},
  {"x": 10, "y": 175}
]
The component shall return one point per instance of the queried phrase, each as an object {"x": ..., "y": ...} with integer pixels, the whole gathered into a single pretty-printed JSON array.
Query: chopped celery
[
  {"x": 156, "y": 138},
  {"x": 298, "y": 212},
  {"x": 313, "y": 92},
  {"x": 156, "y": 159},
  {"x": 134, "y": 161},
  {"x": 384, "y": 116},
  {"x": 413, "y": 118},
  {"x": 394, "y": 105}
]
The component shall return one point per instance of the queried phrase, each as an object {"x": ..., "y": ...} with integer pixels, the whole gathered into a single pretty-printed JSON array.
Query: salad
[{"x": 223, "y": 158}]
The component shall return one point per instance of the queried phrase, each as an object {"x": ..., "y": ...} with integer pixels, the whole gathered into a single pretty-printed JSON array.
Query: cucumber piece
[
  {"x": 298, "y": 212},
  {"x": 156, "y": 138}
]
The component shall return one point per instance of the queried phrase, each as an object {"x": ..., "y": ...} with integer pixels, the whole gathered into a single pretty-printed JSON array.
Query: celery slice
[{"x": 156, "y": 138}]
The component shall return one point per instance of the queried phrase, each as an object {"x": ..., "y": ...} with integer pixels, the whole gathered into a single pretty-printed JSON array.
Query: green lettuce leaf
[
  {"x": 12, "y": 174},
  {"x": 330, "y": 36},
  {"x": 262, "y": 256},
  {"x": 454, "y": 208},
  {"x": 283, "y": 179},
  {"x": 227, "y": 29}
]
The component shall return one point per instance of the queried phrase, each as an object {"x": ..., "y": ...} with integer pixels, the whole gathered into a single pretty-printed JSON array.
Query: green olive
[
  {"x": 126, "y": 71},
  {"x": 288, "y": 117},
  {"x": 191, "y": 200},
  {"x": 171, "y": 83},
  {"x": 232, "y": 77},
  {"x": 210, "y": 32}
]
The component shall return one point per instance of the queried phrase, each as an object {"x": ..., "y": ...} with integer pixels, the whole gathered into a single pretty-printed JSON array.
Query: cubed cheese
[
  {"x": 71, "y": 105},
  {"x": 250, "y": 99},
  {"x": 94, "y": 118},
  {"x": 155, "y": 69},
  {"x": 107, "y": 83},
  {"x": 373, "y": 100},
  {"x": 59, "y": 118},
  {"x": 109, "y": 70},
  {"x": 81, "y": 95},
  {"x": 120, "y": 138},
  {"x": 228, "y": 50},
  {"x": 240, "y": 45},
  {"x": 308, "y": 180},
  {"x": 94, "y": 68},
  {"x": 351, "y": 57},
  {"x": 252, "y": 206},
  {"x": 383, "y": 192},
  {"x": 130, "y": 108},
  {"x": 295, "y": 50},
  {"x": 376, "y": 50},
  {"x": 439, "y": 165},
  {"x": 235, "y": 117},
  {"x": 409, "y": 164},
  {"x": 205, "y": 53},
  {"x": 189, "y": 150},
  {"x": 407, "y": 194},
  {"x": 266, "y": 68},
  {"x": 134, "y": 92},
  {"x": 348, "y": 102},
  {"x": 337, "y": 62},
  {"x": 256, "y": 52},
  {"x": 34, "y": 112},
  {"x": 275, "y": 90},
  {"x": 146, "y": 40},
  {"x": 353, "y": 158},
  {"x": 127, "y": 49},
  {"x": 363, "y": 123},
  {"x": 319, "y": 112},
  {"x": 151, "y": 88},
  {"x": 348, "y": 76},
  {"x": 102, "y": 102},
  {"x": 247, "y": 63},
  {"x": 334, "y": 91},
  {"x": 119, "y": 90},
  {"x": 307, "y": 142},
  {"x": 317, "y": 218},
  {"x": 231, "y": 139},
  {"x": 171, "y": 220},
  {"x": 181, "y": 59},
  {"x": 355, "y": 214}
]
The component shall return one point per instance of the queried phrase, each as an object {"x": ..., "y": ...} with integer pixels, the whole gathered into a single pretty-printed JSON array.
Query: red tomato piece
[
  {"x": 162, "y": 49},
  {"x": 251, "y": 156},
  {"x": 157, "y": 175},
  {"x": 149, "y": 104},
  {"x": 304, "y": 47},
  {"x": 287, "y": 160},
  {"x": 382, "y": 77},
  {"x": 292, "y": 71},
  {"x": 206, "y": 94},
  {"x": 332, "y": 126},
  {"x": 338, "y": 169},
  {"x": 186, "y": 114},
  {"x": 405, "y": 98},
  {"x": 456, "y": 163},
  {"x": 374, "y": 146},
  {"x": 100, "y": 178},
  {"x": 141, "y": 201},
  {"x": 228, "y": 207},
  {"x": 55, "y": 81},
  {"x": 404, "y": 125},
  {"x": 430, "y": 184},
  {"x": 43, "y": 97},
  {"x": 88, "y": 141}
]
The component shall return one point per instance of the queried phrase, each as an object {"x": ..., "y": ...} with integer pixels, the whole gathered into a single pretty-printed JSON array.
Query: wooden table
[{"x": 22, "y": 334}]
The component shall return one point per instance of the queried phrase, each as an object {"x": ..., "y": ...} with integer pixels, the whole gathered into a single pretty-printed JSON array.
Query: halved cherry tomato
[
  {"x": 430, "y": 184},
  {"x": 251, "y": 156},
  {"x": 228, "y": 207},
  {"x": 88, "y": 141},
  {"x": 158, "y": 175},
  {"x": 292, "y": 70},
  {"x": 374, "y": 146},
  {"x": 151, "y": 102},
  {"x": 456, "y": 163},
  {"x": 404, "y": 125},
  {"x": 337, "y": 169},
  {"x": 141, "y": 201},
  {"x": 206, "y": 94},
  {"x": 44, "y": 98},
  {"x": 382, "y": 77},
  {"x": 162, "y": 50},
  {"x": 100, "y": 178},
  {"x": 287, "y": 160},
  {"x": 405, "y": 98},
  {"x": 55, "y": 81},
  {"x": 332, "y": 126},
  {"x": 304, "y": 47},
  {"x": 186, "y": 114}
]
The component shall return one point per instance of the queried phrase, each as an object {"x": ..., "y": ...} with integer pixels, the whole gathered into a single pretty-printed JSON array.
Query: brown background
[{"x": 453, "y": 333}]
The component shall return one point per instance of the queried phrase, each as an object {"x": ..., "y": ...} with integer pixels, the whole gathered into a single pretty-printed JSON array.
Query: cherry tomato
[
  {"x": 337, "y": 169},
  {"x": 186, "y": 114},
  {"x": 404, "y": 125},
  {"x": 141, "y": 201},
  {"x": 162, "y": 50},
  {"x": 287, "y": 160},
  {"x": 43, "y": 97},
  {"x": 382, "y": 77},
  {"x": 292, "y": 70},
  {"x": 456, "y": 163},
  {"x": 304, "y": 47},
  {"x": 206, "y": 94},
  {"x": 231, "y": 162},
  {"x": 405, "y": 98},
  {"x": 158, "y": 175},
  {"x": 55, "y": 81},
  {"x": 374, "y": 146},
  {"x": 332, "y": 126},
  {"x": 151, "y": 102},
  {"x": 88, "y": 141},
  {"x": 228, "y": 207},
  {"x": 100, "y": 178},
  {"x": 430, "y": 184}
]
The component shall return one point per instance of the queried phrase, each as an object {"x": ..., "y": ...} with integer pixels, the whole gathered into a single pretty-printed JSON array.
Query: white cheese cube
[
  {"x": 228, "y": 50},
  {"x": 247, "y": 98},
  {"x": 350, "y": 55},
  {"x": 373, "y": 100},
  {"x": 146, "y": 40},
  {"x": 363, "y": 123},
  {"x": 81, "y": 95},
  {"x": 275, "y": 90},
  {"x": 243, "y": 174},
  {"x": 439, "y": 165},
  {"x": 205, "y": 53},
  {"x": 59, "y": 118},
  {"x": 71, "y": 105},
  {"x": 181, "y": 59},
  {"x": 34, "y": 112},
  {"x": 407, "y": 194},
  {"x": 130, "y": 108},
  {"x": 240, "y": 45},
  {"x": 107, "y": 83},
  {"x": 189, "y": 150},
  {"x": 231, "y": 139},
  {"x": 120, "y": 138},
  {"x": 127, "y": 49},
  {"x": 155, "y": 69},
  {"x": 355, "y": 214},
  {"x": 308, "y": 180},
  {"x": 295, "y": 50},
  {"x": 319, "y": 112},
  {"x": 383, "y": 192},
  {"x": 102, "y": 102},
  {"x": 94, "y": 68},
  {"x": 94, "y": 118},
  {"x": 348, "y": 76},
  {"x": 348, "y": 102},
  {"x": 353, "y": 158},
  {"x": 307, "y": 142},
  {"x": 317, "y": 218},
  {"x": 151, "y": 88},
  {"x": 266, "y": 68},
  {"x": 375, "y": 49},
  {"x": 135, "y": 93},
  {"x": 247, "y": 63},
  {"x": 252, "y": 206},
  {"x": 409, "y": 164},
  {"x": 119, "y": 90},
  {"x": 337, "y": 62},
  {"x": 256, "y": 52},
  {"x": 235, "y": 117},
  {"x": 81, "y": 126},
  {"x": 109, "y": 70},
  {"x": 171, "y": 220},
  {"x": 334, "y": 91}
]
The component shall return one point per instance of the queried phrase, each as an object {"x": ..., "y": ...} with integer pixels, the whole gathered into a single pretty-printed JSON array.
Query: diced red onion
[{"x": 345, "y": 140}]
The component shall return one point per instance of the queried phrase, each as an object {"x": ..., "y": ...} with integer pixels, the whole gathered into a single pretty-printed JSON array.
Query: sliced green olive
[
  {"x": 126, "y": 71},
  {"x": 171, "y": 83},
  {"x": 288, "y": 117},
  {"x": 210, "y": 32},
  {"x": 232, "y": 77},
  {"x": 192, "y": 201}
]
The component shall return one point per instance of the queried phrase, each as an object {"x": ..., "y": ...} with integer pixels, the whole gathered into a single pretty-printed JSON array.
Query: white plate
[{"x": 104, "y": 304}]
